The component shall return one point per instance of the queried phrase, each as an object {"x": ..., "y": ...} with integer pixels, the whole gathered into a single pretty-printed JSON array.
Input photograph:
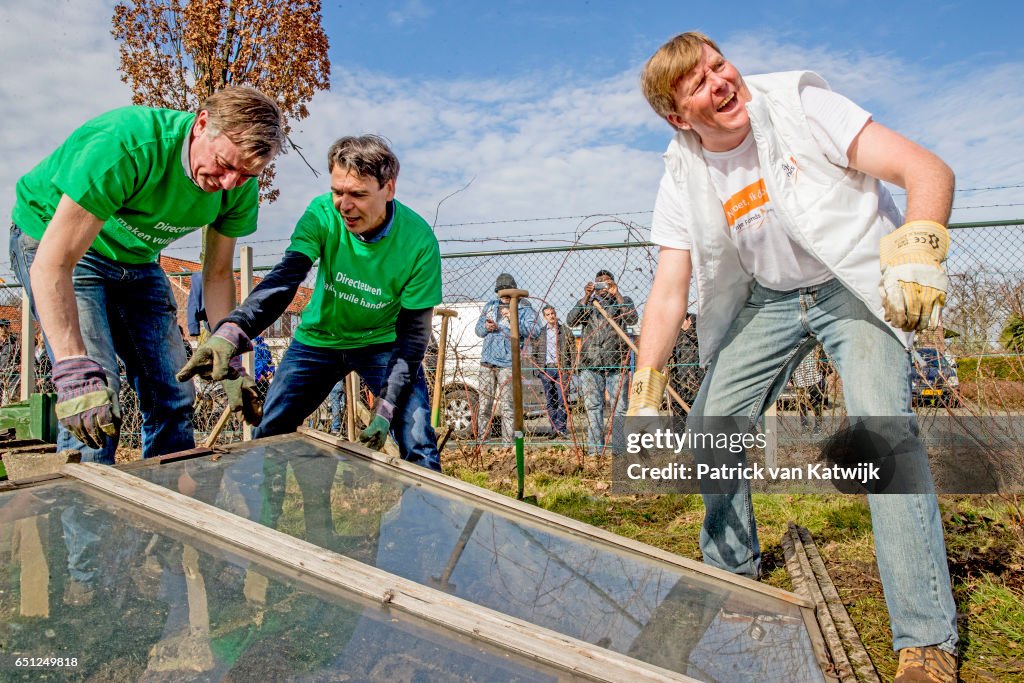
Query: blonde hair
[
  {"x": 249, "y": 119},
  {"x": 668, "y": 65}
]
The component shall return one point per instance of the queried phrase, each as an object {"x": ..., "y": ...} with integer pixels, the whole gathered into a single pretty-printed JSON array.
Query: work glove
[
  {"x": 86, "y": 405},
  {"x": 914, "y": 284},
  {"x": 646, "y": 392},
  {"x": 212, "y": 359},
  {"x": 376, "y": 433},
  {"x": 242, "y": 395}
]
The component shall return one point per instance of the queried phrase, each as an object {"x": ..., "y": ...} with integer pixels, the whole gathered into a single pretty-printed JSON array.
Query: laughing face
[
  {"x": 711, "y": 101},
  {"x": 215, "y": 161}
]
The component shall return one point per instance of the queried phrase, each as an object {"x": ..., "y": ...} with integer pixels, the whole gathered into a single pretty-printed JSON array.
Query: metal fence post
[{"x": 244, "y": 289}]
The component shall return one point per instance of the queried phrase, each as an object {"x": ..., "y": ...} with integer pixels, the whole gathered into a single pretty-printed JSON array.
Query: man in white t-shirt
[{"x": 772, "y": 202}]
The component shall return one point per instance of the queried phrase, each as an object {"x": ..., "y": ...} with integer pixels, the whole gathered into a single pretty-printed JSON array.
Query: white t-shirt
[{"x": 765, "y": 249}]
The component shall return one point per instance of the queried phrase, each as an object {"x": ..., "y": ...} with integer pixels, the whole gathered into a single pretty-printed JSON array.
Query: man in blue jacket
[{"x": 494, "y": 382}]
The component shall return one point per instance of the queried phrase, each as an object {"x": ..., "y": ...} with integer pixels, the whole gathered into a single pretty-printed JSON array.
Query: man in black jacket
[
  {"x": 553, "y": 353},
  {"x": 604, "y": 355}
]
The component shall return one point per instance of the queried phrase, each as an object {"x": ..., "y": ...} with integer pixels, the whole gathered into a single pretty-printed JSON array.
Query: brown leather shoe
[{"x": 926, "y": 665}]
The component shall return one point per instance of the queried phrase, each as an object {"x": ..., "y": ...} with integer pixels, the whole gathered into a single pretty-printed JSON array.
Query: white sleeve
[
  {"x": 668, "y": 228},
  {"x": 834, "y": 120}
]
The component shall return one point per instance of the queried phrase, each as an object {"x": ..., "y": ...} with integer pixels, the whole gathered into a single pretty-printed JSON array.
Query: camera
[{"x": 600, "y": 285}]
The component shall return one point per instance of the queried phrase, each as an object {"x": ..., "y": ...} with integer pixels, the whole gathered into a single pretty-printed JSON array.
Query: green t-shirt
[
  {"x": 361, "y": 286},
  {"x": 125, "y": 168}
]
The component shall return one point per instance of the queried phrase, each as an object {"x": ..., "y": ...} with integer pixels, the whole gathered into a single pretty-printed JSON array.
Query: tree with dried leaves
[{"x": 175, "y": 54}]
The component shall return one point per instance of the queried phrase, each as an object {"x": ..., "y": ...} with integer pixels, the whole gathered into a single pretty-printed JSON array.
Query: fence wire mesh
[{"x": 986, "y": 296}]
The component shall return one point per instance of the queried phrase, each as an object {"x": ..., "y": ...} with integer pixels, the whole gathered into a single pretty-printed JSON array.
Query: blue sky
[{"x": 534, "y": 109}]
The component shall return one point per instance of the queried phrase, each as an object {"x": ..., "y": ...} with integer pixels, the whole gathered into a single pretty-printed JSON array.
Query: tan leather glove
[
  {"x": 914, "y": 284},
  {"x": 646, "y": 392}
]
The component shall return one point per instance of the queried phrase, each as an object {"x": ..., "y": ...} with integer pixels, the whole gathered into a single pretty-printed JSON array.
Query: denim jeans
[
  {"x": 495, "y": 385},
  {"x": 305, "y": 378},
  {"x": 768, "y": 338},
  {"x": 336, "y": 402},
  {"x": 555, "y": 384},
  {"x": 594, "y": 384},
  {"x": 126, "y": 311}
]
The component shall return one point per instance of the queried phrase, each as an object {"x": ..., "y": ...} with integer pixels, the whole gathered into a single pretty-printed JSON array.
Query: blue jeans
[
  {"x": 555, "y": 384},
  {"x": 305, "y": 377},
  {"x": 594, "y": 383},
  {"x": 126, "y": 311},
  {"x": 768, "y": 338},
  {"x": 336, "y": 402}
]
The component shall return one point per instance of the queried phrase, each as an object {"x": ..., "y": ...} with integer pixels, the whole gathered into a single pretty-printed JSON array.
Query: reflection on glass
[
  {"x": 650, "y": 610},
  {"x": 116, "y": 597}
]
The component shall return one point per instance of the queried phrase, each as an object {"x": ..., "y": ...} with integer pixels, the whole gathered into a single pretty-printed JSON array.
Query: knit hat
[{"x": 505, "y": 281}]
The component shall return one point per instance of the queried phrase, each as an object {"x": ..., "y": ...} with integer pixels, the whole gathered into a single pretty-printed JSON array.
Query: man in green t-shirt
[
  {"x": 377, "y": 283},
  {"x": 89, "y": 222}
]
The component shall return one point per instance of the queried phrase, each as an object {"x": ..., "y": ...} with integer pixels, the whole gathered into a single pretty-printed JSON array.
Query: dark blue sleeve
[
  {"x": 413, "y": 331},
  {"x": 196, "y": 311},
  {"x": 272, "y": 295}
]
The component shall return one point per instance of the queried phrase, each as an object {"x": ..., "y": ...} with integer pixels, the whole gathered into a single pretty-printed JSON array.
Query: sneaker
[{"x": 926, "y": 665}]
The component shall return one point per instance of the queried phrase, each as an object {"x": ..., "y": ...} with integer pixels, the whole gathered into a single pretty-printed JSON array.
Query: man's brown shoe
[{"x": 926, "y": 665}]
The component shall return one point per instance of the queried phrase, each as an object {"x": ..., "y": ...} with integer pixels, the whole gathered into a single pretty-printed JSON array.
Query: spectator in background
[
  {"x": 604, "y": 354},
  {"x": 337, "y": 401},
  {"x": 263, "y": 362},
  {"x": 553, "y": 353},
  {"x": 685, "y": 371},
  {"x": 496, "y": 357}
]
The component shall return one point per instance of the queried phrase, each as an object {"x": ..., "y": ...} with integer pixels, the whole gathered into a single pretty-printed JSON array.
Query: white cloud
[{"x": 60, "y": 68}]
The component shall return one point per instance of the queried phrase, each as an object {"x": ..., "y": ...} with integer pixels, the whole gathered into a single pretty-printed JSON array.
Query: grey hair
[
  {"x": 367, "y": 155},
  {"x": 249, "y": 119}
]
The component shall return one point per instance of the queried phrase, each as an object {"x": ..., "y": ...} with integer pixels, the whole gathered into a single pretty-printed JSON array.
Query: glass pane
[
  {"x": 650, "y": 610},
  {"x": 111, "y": 595}
]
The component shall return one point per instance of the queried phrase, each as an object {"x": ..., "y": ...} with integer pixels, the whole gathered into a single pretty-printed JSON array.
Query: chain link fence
[{"x": 986, "y": 295}]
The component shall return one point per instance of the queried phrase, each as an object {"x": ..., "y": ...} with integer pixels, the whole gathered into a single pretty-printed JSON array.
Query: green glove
[
  {"x": 376, "y": 433},
  {"x": 242, "y": 397},
  {"x": 212, "y": 359}
]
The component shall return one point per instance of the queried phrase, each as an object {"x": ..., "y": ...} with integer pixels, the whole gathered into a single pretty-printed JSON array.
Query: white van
[{"x": 462, "y": 369}]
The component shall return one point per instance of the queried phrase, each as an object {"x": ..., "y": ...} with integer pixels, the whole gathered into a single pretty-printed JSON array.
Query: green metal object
[
  {"x": 32, "y": 419},
  {"x": 520, "y": 464}
]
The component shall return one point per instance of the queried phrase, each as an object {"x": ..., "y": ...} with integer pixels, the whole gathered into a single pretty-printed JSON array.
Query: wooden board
[{"x": 526, "y": 639}]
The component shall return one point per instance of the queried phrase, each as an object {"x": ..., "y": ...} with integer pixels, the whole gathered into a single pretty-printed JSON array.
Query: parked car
[
  {"x": 933, "y": 378},
  {"x": 461, "y": 397}
]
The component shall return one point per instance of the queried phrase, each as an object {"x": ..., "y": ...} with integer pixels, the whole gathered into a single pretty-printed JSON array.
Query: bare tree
[
  {"x": 973, "y": 310},
  {"x": 174, "y": 54}
]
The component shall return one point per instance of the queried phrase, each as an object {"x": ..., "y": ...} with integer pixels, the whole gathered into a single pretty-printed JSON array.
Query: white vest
[{"x": 837, "y": 214}]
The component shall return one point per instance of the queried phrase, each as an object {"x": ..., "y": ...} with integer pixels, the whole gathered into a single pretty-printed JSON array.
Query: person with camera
[
  {"x": 494, "y": 381},
  {"x": 604, "y": 354}
]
